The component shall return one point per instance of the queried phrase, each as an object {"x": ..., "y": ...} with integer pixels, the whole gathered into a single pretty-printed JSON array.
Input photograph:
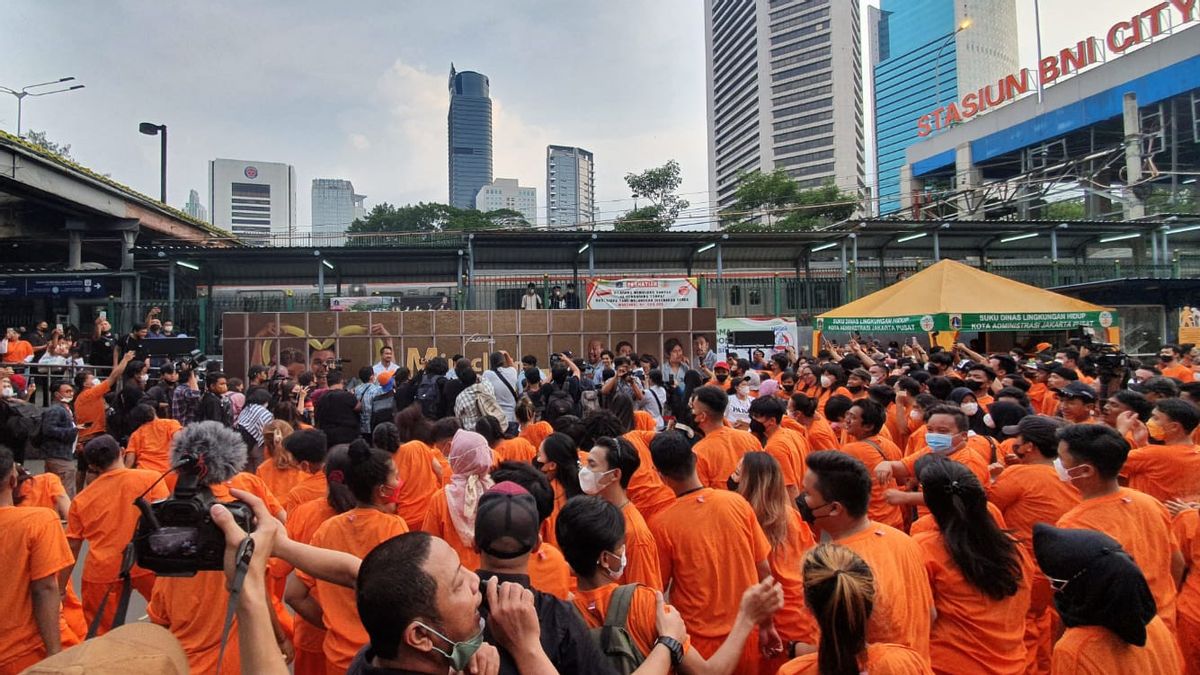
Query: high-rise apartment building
[
  {"x": 334, "y": 208},
  {"x": 470, "y": 136},
  {"x": 784, "y": 91},
  {"x": 930, "y": 51},
  {"x": 254, "y": 200},
  {"x": 194, "y": 208},
  {"x": 570, "y": 186},
  {"x": 507, "y": 193}
]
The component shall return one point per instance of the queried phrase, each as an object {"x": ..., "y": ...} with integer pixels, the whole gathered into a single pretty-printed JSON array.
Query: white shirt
[
  {"x": 379, "y": 368},
  {"x": 738, "y": 410},
  {"x": 654, "y": 401},
  {"x": 531, "y": 301},
  {"x": 504, "y": 396}
]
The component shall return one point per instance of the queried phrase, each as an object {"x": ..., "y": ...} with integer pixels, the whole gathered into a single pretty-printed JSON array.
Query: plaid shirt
[
  {"x": 476, "y": 401},
  {"x": 185, "y": 403}
]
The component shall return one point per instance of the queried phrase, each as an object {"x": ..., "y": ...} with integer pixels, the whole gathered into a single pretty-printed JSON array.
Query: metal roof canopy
[{"x": 666, "y": 251}]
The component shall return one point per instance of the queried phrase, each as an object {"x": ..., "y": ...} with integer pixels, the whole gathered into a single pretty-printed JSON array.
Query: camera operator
[
  {"x": 214, "y": 405},
  {"x": 623, "y": 382}
]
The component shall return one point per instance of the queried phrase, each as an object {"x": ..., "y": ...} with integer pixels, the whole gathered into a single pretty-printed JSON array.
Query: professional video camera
[
  {"x": 176, "y": 537},
  {"x": 1109, "y": 358}
]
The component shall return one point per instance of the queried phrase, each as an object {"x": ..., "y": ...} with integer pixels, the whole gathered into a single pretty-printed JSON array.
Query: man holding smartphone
[{"x": 623, "y": 382}]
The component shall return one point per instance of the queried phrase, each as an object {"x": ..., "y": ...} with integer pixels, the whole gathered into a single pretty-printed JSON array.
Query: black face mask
[
  {"x": 537, "y": 463},
  {"x": 722, "y": 378},
  {"x": 855, "y": 389},
  {"x": 758, "y": 428},
  {"x": 731, "y": 484},
  {"x": 789, "y": 387},
  {"x": 806, "y": 512}
]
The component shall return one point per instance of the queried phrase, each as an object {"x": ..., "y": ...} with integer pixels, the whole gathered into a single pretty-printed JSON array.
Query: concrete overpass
[{"x": 60, "y": 222}]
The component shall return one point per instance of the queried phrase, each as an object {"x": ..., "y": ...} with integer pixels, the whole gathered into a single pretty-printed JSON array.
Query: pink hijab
[
  {"x": 768, "y": 388},
  {"x": 470, "y": 462}
]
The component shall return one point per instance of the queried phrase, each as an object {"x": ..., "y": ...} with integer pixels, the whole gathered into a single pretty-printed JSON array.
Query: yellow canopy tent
[{"x": 949, "y": 297}]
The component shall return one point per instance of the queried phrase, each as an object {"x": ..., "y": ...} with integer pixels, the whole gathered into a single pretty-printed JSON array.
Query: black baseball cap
[
  {"x": 506, "y": 521},
  {"x": 1037, "y": 429},
  {"x": 1078, "y": 390}
]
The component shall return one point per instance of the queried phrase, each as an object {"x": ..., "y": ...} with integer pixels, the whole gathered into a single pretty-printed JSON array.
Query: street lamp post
[
  {"x": 151, "y": 129},
  {"x": 937, "y": 60},
  {"x": 25, "y": 92}
]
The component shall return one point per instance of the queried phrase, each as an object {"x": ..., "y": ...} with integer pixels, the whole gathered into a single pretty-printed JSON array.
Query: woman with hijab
[
  {"x": 1105, "y": 605},
  {"x": 452, "y": 517},
  {"x": 965, "y": 400},
  {"x": 981, "y": 578}
]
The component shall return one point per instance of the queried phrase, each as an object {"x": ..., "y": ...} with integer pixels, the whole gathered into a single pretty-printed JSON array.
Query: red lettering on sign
[
  {"x": 1154, "y": 16},
  {"x": 923, "y": 128},
  {"x": 1048, "y": 70},
  {"x": 1186, "y": 8},
  {"x": 970, "y": 105}
]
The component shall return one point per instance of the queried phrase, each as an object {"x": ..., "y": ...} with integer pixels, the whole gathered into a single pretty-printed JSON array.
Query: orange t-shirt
[
  {"x": 549, "y": 571},
  {"x": 985, "y": 447},
  {"x": 1179, "y": 372},
  {"x": 438, "y": 523},
  {"x": 188, "y": 607},
  {"x": 301, "y": 526},
  {"x": 43, "y": 490},
  {"x": 536, "y": 433},
  {"x": 514, "y": 449},
  {"x": 718, "y": 454},
  {"x": 794, "y": 621},
  {"x": 311, "y": 486},
  {"x": 18, "y": 351},
  {"x": 644, "y": 421},
  {"x": 709, "y": 545},
  {"x": 882, "y": 659},
  {"x": 1031, "y": 493},
  {"x": 641, "y": 551},
  {"x": 1143, "y": 528},
  {"x": 964, "y": 455},
  {"x": 255, "y": 486},
  {"x": 1050, "y": 404},
  {"x": 916, "y": 440},
  {"x": 821, "y": 435},
  {"x": 1164, "y": 471},
  {"x": 1084, "y": 650},
  {"x": 419, "y": 481},
  {"x": 103, "y": 514},
  {"x": 646, "y": 489},
  {"x": 789, "y": 449},
  {"x": 897, "y": 431},
  {"x": 1037, "y": 395},
  {"x": 593, "y": 607},
  {"x": 903, "y": 599},
  {"x": 89, "y": 407},
  {"x": 280, "y": 481},
  {"x": 826, "y": 394},
  {"x": 878, "y": 510},
  {"x": 151, "y": 444},
  {"x": 356, "y": 532},
  {"x": 974, "y": 632},
  {"x": 1186, "y": 528},
  {"x": 926, "y": 523},
  {"x": 33, "y": 547}
]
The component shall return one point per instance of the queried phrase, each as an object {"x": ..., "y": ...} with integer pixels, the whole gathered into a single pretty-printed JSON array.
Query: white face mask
[
  {"x": 611, "y": 573},
  {"x": 744, "y": 390},
  {"x": 969, "y": 409},
  {"x": 6, "y": 392},
  {"x": 914, "y": 414},
  {"x": 589, "y": 481},
  {"x": 827, "y": 381},
  {"x": 989, "y": 422},
  {"x": 66, "y": 400},
  {"x": 143, "y": 378}
]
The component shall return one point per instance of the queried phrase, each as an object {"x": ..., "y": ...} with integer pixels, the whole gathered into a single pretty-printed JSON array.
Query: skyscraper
[
  {"x": 930, "y": 51},
  {"x": 507, "y": 193},
  {"x": 194, "y": 208},
  {"x": 784, "y": 91},
  {"x": 470, "y": 136},
  {"x": 334, "y": 208},
  {"x": 570, "y": 186},
  {"x": 254, "y": 200}
]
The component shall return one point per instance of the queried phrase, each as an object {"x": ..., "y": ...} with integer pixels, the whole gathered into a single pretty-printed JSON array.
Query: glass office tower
[{"x": 470, "y": 136}]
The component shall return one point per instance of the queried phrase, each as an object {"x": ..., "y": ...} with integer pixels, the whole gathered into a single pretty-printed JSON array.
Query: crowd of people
[{"x": 874, "y": 507}]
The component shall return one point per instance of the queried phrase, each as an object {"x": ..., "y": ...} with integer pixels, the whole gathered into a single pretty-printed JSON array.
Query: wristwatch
[{"x": 672, "y": 646}]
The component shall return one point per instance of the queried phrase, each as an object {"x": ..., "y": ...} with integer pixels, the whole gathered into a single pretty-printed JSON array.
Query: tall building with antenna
[{"x": 469, "y": 136}]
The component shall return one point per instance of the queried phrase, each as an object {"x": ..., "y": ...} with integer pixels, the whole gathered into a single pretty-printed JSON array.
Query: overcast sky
[{"x": 357, "y": 90}]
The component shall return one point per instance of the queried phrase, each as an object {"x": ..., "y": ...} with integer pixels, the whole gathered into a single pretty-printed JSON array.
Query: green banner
[{"x": 1033, "y": 321}]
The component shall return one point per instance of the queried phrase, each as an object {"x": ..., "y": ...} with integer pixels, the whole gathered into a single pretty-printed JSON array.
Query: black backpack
[
  {"x": 429, "y": 393},
  {"x": 561, "y": 393},
  {"x": 24, "y": 424},
  {"x": 613, "y": 637},
  {"x": 383, "y": 409}
]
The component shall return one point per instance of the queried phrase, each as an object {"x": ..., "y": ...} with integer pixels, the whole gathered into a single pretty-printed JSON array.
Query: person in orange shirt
[
  {"x": 451, "y": 514},
  {"x": 945, "y": 434},
  {"x": 409, "y": 441},
  {"x": 1106, "y": 606},
  {"x": 37, "y": 563},
  {"x": 1186, "y": 528},
  {"x": 89, "y": 401},
  {"x": 711, "y": 549},
  {"x": 278, "y": 469},
  {"x": 900, "y": 418},
  {"x": 532, "y": 429},
  {"x": 1170, "y": 470},
  {"x": 979, "y": 380},
  {"x": 831, "y": 383},
  {"x": 646, "y": 489},
  {"x": 837, "y": 492},
  {"x": 863, "y": 421},
  {"x": 717, "y": 454},
  {"x": 514, "y": 449},
  {"x": 371, "y": 478},
  {"x": 980, "y": 577},
  {"x": 592, "y": 532},
  {"x": 104, "y": 516},
  {"x": 308, "y": 448},
  {"x": 1090, "y": 457},
  {"x": 760, "y": 481},
  {"x": 13, "y": 349},
  {"x": 548, "y": 570},
  {"x": 441, "y": 439},
  {"x": 149, "y": 445},
  {"x": 558, "y": 457},
  {"x": 803, "y": 410},
  {"x": 1172, "y": 366},
  {"x": 841, "y": 590},
  {"x": 1029, "y": 491},
  {"x": 45, "y": 490},
  {"x": 788, "y": 447},
  {"x": 857, "y": 383},
  {"x": 610, "y": 464}
]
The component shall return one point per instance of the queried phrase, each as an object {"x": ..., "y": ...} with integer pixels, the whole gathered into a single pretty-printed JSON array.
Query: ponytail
[
  {"x": 840, "y": 591},
  {"x": 368, "y": 469}
]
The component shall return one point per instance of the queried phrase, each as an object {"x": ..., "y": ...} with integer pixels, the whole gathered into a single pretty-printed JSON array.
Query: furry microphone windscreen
[{"x": 219, "y": 449}]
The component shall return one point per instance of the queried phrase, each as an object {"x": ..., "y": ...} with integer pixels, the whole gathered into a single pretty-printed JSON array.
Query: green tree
[
  {"x": 1068, "y": 209},
  {"x": 40, "y": 139},
  {"x": 430, "y": 218},
  {"x": 774, "y": 202},
  {"x": 658, "y": 185},
  {"x": 758, "y": 191}
]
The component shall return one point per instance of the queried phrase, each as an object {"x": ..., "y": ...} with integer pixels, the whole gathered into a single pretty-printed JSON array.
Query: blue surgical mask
[
  {"x": 939, "y": 443},
  {"x": 460, "y": 652}
]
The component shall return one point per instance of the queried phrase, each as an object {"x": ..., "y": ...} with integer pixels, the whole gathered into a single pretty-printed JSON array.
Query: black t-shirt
[
  {"x": 102, "y": 350},
  {"x": 335, "y": 415},
  {"x": 131, "y": 343}
]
